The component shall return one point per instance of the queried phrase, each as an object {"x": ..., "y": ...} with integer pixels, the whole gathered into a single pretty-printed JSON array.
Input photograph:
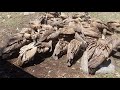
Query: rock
[
  {"x": 106, "y": 70},
  {"x": 1, "y": 17},
  {"x": 117, "y": 74},
  {"x": 3, "y": 20},
  {"x": 108, "y": 67},
  {"x": 28, "y": 13},
  {"x": 9, "y": 16},
  {"x": 32, "y": 12},
  {"x": 17, "y": 29}
]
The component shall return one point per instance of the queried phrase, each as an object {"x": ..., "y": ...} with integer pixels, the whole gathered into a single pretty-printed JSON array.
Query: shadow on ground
[{"x": 8, "y": 70}]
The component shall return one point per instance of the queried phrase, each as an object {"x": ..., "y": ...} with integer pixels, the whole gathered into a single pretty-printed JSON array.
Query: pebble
[
  {"x": 1, "y": 17},
  {"x": 47, "y": 67},
  {"x": 28, "y": 13},
  {"x": 78, "y": 61},
  {"x": 76, "y": 76},
  {"x": 73, "y": 68},
  {"x": 32, "y": 12},
  {"x": 8, "y": 16},
  {"x": 3, "y": 20},
  {"x": 17, "y": 29},
  {"x": 117, "y": 74},
  {"x": 54, "y": 64},
  {"x": 49, "y": 71}
]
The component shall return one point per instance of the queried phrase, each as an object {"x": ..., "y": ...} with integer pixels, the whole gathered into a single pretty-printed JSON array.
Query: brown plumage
[
  {"x": 113, "y": 26},
  {"x": 44, "y": 32},
  {"x": 86, "y": 56},
  {"x": 88, "y": 31},
  {"x": 55, "y": 22},
  {"x": 13, "y": 45},
  {"x": 101, "y": 53},
  {"x": 54, "y": 35},
  {"x": 35, "y": 24},
  {"x": 27, "y": 53},
  {"x": 103, "y": 50},
  {"x": 44, "y": 46},
  {"x": 60, "y": 48},
  {"x": 73, "y": 48}
]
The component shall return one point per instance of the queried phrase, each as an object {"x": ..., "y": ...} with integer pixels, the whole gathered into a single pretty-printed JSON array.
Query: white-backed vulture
[
  {"x": 73, "y": 48},
  {"x": 61, "y": 47}
]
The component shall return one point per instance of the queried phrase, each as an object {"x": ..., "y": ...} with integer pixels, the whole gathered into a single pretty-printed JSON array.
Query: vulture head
[
  {"x": 35, "y": 24},
  {"x": 113, "y": 26}
]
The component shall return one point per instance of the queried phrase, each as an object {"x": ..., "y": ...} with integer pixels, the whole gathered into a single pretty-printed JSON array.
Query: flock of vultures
[{"x": 60, "y": 34}]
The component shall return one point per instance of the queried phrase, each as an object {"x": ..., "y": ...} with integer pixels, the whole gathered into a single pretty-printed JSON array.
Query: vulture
[
  {"x": 73, "y": 48},
  {"x": 60, "y": 48}
]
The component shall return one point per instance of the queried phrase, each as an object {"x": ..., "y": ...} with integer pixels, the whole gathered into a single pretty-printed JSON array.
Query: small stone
[
  {"x": 78, "y": 61},
  {"x": 54, "y": 64},
  {"x": 8, "y": 16},
  {"x": 47, "y": 67},
  {"x": 32, "y": 12},
  {"x": 49, "y": 71},
  {"x": 117, "y": 74},
  {"x": 21, "y": 13},
  {"x": 73, "y": 68},
  {"x": 3, "y": 20},
  {"x": 1, "y": 17},
  {"x": 17, "y": 29},
  {"x": 26, "y": 13}
]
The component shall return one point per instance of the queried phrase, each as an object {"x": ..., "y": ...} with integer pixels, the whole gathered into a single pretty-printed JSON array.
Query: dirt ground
[{"x": 43, "y": 66}]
